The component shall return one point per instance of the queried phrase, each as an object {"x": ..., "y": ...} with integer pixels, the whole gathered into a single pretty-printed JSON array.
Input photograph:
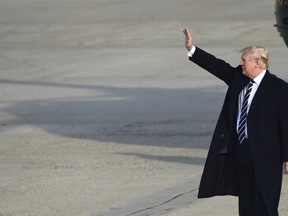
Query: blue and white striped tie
[{"x": 243, "y": 116}]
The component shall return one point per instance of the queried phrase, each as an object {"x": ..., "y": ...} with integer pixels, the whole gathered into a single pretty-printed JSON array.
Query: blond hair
[{"x": 259, "y": 54}]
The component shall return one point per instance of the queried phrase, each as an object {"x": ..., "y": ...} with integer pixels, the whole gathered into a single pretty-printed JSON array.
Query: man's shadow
[{"x": 176, "y": 118}]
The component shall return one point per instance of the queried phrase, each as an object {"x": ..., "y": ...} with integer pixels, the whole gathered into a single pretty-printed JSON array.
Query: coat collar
[{"x": 261, "y": 91}]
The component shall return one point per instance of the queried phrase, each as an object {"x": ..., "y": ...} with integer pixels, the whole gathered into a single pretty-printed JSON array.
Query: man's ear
[{"x": 258, "y": 64}]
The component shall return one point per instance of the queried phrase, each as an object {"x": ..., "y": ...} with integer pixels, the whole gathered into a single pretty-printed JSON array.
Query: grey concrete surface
[{"x": 102, "y": 114}]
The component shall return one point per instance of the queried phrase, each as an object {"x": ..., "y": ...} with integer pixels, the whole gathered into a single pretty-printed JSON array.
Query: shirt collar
[{"x": 259, "y": 78}]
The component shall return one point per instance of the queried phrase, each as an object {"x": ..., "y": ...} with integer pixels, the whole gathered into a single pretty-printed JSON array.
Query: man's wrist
[{"x": 191, "y": 52}]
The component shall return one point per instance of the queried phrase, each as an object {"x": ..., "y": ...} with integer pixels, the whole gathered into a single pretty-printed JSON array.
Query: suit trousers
[{"x": 250, "y": 199}]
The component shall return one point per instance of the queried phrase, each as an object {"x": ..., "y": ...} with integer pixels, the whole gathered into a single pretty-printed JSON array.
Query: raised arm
[{"x": 209, "y": 62}]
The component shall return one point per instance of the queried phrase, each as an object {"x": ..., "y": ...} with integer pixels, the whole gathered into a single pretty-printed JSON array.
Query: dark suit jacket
[{"x": 267, "y": 130}]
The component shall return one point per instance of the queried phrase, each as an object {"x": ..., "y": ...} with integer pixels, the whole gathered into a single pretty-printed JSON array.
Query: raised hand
[{"x": 188, "y": 39}]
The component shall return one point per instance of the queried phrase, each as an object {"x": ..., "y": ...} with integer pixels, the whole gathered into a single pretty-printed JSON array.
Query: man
[{"x": 250, "y": 141}]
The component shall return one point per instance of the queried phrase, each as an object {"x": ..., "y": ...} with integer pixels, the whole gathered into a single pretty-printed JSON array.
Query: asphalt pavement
[{"x": 102, "y": 114}]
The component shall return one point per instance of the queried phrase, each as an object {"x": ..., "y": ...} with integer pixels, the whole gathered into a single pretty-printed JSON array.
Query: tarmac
[{"x": 102, "y": 114}]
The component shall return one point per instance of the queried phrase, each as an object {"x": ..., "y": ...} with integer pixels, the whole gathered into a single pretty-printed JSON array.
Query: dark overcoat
[{"x": 267, "y": 123}]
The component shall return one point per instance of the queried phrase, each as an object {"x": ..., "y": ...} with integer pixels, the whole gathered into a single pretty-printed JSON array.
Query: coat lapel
[{"x": 261, "y": 91}]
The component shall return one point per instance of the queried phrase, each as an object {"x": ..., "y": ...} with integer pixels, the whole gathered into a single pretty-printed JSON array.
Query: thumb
[{"x": 286, "y": 167}]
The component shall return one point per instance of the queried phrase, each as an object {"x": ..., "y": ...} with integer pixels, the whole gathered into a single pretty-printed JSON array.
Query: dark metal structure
[{"x": 281, "y": 13}]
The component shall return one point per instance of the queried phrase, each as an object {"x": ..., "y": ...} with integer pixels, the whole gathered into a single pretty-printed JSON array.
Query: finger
[{"x": 186, "y": 32}]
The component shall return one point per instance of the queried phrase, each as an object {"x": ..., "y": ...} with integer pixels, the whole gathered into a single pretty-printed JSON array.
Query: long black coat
[{"x": 267, "y": 128}]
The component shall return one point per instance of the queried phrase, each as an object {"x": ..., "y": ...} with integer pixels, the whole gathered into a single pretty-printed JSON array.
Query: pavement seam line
[{"x": 165, "y": 202}]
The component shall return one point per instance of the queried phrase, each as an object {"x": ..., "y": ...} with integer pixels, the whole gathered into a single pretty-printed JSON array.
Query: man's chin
[{"x": 245, "y": 74}]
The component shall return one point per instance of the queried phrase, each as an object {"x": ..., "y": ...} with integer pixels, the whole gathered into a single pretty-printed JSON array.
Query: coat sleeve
[
  {"x": 283, "y": 120},
  {"x": 215, "y": 66}
]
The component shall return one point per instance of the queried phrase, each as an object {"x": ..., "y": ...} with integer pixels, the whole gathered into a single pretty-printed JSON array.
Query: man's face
[{"x": 248, "y": 65}]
